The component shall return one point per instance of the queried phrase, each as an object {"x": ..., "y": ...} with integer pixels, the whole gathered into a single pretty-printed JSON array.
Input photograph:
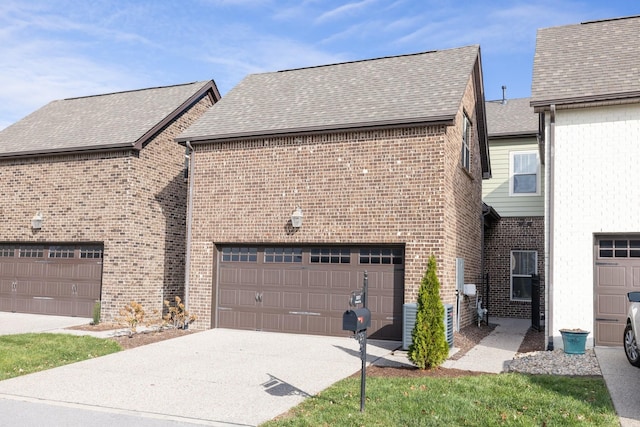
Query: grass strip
[
  {"x": 485, "y": 400},
  {"x": 26, "y": 353}
]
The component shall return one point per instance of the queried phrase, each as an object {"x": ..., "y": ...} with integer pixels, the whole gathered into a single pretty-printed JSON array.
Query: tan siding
[{"x": 495, "y": 191}]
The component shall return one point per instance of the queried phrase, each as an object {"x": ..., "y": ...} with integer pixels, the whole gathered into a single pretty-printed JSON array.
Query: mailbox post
[{"x": 357, "y": 320}]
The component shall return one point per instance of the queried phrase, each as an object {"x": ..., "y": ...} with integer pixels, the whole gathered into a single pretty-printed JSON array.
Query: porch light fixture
[
  {"x": 296, "y": 217},
  {"x": 36, "y": 221}
]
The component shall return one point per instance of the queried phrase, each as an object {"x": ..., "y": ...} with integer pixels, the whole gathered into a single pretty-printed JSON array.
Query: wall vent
[{"x": 409, "y": 311}]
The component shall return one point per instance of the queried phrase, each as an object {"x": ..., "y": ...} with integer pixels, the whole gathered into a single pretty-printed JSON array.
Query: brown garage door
[
  {"x": 617, "y": 271},
  {"x": 306, "y": 289},
  {"x": 55, "y": 279}
]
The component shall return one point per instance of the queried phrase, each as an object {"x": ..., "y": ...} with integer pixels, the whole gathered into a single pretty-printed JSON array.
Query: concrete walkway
[{"x": 496, "y": 350}]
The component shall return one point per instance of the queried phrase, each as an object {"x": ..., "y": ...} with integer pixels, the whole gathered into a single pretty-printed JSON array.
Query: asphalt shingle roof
[
  {"x": 513, "y": 118},
  {"x": 595, "y": 60},
  {"x": 392, "y": 90},
  {"x": 95, "y": 122}
]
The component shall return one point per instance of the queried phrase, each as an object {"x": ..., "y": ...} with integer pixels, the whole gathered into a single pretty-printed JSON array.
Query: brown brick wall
[
  {"x": 511, "y": 233},
  {"x": 132, "y": 202},
  {"x": 389, "y": 186}
]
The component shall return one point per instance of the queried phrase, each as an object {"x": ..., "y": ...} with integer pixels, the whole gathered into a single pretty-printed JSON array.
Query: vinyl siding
[{"x": 495, "y": 191}]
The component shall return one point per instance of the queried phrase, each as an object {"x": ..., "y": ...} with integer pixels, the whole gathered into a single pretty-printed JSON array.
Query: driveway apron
[{"x": 215, "y": 377}]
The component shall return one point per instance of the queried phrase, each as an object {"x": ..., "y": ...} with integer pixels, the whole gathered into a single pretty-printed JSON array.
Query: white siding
[
  {"x": 495, "y": 191},
  {"x": 597, "y": 171}
]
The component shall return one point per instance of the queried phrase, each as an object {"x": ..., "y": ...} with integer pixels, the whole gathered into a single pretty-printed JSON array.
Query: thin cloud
[{"x": 346, "y": 9}]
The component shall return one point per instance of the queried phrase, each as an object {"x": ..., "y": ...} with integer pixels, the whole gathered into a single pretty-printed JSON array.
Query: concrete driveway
[
  {"x": 623, "y": 382},
  {"x": 20, "y": 323},
  {"x": 214, "y": 377}
]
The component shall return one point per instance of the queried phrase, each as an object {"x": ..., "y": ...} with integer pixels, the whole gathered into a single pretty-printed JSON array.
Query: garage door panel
[
  {"x": 612, "y": 276},
  {"x": 92, "y": 272},
  {"x": 271, "y": 322},
  {"x": 248, "y": 277},
  {"x": 292, "y": 300},
  {"x": 294, "y": 278},
  {"x": 293, "y": 323},
  {"x": 228, "y": 297},
  {"x": 228, "y": 275},
  {"x": 247, "y": 320},
  {"x": 319, "y": 302},
  {"x": 635, "y": 280},
  {"x": 7, "y": 268},
  {"x": 341, "y": 279},
  {"x": 60, "y": 271},
  {"x": 246, "y": 298},
  {"x": 318, "y": 279},
  {"x": 610, "y": 333},
  {"x": 272, "y": 299},
  {"x": 319, "y": 325},
  {"x": 612, "y": 304},
  {"x": 271, "y": 277},
  {"x": 30, "y": 269}
]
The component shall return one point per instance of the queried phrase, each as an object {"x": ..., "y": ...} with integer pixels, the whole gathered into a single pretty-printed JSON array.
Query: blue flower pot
[{"x": 574, "y": 341}]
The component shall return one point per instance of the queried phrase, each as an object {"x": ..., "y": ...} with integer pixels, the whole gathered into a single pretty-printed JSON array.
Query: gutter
[
  {"x": 550, "y": 154},
  {"x": 187, "y": 261}
]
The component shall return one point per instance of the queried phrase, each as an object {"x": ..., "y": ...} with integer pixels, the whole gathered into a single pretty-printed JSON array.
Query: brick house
[
  {"x": 384, "y": 159},
  {"x": 586, "y": 85},
  {"x": 514, "y": 244},
  {"x": 94, "y": 201}
]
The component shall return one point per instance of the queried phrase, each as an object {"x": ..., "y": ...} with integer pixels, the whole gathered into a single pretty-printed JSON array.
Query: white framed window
[
  {"x": 466, "y": 143},
  {"x": 524, "y": 173},
  {"x": 524, "y": 264}
]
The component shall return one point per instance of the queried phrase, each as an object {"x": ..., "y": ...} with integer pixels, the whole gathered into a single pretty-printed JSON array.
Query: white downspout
[
  {"x": 550, "y": 156},
  {"x": 187, "y": 261}
]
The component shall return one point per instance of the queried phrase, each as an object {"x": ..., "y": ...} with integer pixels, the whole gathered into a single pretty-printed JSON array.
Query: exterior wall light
[
  {"x": 36, "y": 221},
  {"x": 296, "y": 218}
]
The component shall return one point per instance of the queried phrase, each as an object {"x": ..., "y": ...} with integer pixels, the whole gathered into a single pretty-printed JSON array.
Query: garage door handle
[
  {"x": 601, "y": 319},
  {"x": 258, "y": 297}
]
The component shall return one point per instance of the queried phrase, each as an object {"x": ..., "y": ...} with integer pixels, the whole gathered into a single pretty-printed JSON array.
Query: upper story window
[
  {"x": 466, "y": 143},
  {"x": 524, "y": 173}
]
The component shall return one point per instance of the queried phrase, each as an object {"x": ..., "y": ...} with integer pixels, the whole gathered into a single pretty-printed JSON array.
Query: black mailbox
[{"x": 356, "y": 320}]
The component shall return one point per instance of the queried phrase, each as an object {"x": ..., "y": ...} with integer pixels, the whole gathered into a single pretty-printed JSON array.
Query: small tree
[{"x": 429, "y": 348}]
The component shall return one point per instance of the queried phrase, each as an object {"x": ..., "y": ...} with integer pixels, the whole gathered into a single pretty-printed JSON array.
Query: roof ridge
[
  {"x": 131, "y": 91},
  {"x": 355, "y": 61},
  {"x": 620, "y": 18}
]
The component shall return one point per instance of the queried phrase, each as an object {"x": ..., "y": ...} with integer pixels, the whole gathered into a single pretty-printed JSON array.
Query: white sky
[{"x": 54, "y": 49}]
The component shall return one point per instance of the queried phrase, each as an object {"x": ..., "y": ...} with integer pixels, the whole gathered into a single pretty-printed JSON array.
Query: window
[
  {"x": 32, "y": 252},
  {"x": 7, "y": 251},
  {"x": 91, "y": 252},
  {"x": 524, "y": 264},
  {"x": 381, "y": 256},
  {"x": 330, "y": 256},
  {"x": 524, "y": 176},
  {"x": 61, "y": 252},
  {"x": 240, "y": 254},
  {"x": 619, "y": 248},
  {"x": 466, "y": 143},
  {"x": 288, "y": 255}
]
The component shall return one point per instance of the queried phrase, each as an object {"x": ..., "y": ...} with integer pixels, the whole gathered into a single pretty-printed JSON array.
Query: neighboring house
[
  {"x": 514, "y": 245},
  {"x": 94, "y": 201},
  {"x": 586, "y": 84},
  {"x": 384, "y": 158}
]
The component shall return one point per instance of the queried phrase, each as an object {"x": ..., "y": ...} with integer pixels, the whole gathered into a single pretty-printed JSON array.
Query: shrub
[
  {"x": 429, "y": 348},
  {"x": 132, "y": 314},
  {"x": 96, "y": 313},
  {"x": 176, "y": 315}
]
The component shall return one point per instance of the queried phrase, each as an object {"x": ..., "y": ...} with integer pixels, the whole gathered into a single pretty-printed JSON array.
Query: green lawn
[
  {"x": 26, "y": 353},
  {"x": 485, "y": 400}
]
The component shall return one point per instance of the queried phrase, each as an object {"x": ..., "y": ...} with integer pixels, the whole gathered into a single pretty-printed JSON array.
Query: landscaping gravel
[{"x": 556, "y": 362}]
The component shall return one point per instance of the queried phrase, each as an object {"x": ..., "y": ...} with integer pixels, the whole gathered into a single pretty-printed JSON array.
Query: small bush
[
  {"x": 176, "y": 315},
  {"x": 96, "y": 313},
  {"x": 429, "y": 348},
  {"x": 132, "y": 315}
]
